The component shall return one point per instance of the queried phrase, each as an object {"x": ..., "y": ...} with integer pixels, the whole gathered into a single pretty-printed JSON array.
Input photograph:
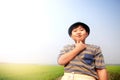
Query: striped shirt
[{"x": 86, "y": 62}]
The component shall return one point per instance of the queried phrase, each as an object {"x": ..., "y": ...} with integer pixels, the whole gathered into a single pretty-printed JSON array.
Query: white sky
[{"x": 34, "y": 31}]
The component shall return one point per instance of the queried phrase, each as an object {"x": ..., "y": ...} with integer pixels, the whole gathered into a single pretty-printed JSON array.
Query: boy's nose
[{"x": 79, "y": 32}]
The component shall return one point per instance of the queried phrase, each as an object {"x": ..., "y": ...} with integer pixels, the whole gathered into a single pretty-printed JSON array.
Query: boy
[{"x": 82, "y": 61}]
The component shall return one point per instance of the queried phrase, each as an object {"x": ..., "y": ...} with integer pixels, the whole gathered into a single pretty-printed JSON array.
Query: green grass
[
  {"x": 29, "y": 72},
  {"x": 113, "y": 68},
  {"x": 114, "y": 72},
  {"x": 43, "y": 72}
]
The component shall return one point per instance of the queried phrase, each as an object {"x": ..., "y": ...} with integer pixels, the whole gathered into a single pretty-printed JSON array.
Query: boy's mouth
[{"x": 78, "y": 36}]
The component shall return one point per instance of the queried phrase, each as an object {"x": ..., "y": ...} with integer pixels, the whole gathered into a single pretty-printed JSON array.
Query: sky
[{"x": 34, "y": 31}]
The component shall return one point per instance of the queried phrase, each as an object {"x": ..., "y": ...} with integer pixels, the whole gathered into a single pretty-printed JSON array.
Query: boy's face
[{"x": 79, "y": 34}]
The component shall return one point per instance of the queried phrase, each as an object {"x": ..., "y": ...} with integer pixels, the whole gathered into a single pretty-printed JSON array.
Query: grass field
[
  {"x": 29, "y": 72},
  {"x": 42, "y": 72},
  {"x": 114, "y": 72}
]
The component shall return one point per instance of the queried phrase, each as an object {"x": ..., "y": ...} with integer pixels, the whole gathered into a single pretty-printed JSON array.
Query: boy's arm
[
  {"x": 102, "y": 74},
  {"x": 65, "y": 58}
]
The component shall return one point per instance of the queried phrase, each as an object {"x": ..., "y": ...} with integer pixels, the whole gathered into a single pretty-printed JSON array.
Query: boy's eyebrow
[
  {"x": 74, "y": 28},
  {"x": 79, "y": 27}
]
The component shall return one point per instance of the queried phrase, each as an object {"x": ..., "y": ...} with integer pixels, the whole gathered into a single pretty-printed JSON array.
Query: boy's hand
[
  {"x": 80, "y": 45},
  {"x": 67, "y": 57}
]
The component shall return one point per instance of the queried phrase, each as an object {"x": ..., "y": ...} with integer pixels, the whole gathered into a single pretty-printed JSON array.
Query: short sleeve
[{"x": 99, "y": 59}]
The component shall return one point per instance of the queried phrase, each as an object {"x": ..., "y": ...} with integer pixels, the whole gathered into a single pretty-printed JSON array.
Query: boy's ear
[
  {"x": 87, "y": 34},
  {"x": 70, "y": 36}
]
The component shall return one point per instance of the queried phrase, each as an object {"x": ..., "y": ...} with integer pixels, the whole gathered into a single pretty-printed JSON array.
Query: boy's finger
[
  {"x": 81, "y": 42},
  {"x": 78, "y": 41}
]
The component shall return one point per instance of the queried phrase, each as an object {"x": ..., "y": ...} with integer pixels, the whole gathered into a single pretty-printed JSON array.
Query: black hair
[{"x": 77, "y": 24}]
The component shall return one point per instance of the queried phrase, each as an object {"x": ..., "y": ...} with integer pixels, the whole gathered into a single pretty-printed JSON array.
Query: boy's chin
[{"x": 78, "y": 40}]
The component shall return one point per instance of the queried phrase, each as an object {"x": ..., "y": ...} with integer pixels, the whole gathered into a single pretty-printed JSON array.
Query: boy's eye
[
  {"x": 81, "y": 30},
  {"x": 74, "y": 30}
]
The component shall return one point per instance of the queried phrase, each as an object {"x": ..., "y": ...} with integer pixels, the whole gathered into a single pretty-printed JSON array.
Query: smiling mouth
[{"x": 78, "y": 36}]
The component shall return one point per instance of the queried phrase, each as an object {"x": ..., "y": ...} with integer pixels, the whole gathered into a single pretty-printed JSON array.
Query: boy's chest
[{"x": 86, "y": 56}]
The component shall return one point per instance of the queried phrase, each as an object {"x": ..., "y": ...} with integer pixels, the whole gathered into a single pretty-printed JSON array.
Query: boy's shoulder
[
  {"x": 90, "y": 45},
  {"x": 69, "y": 45},
  {"x": 93, "y": 46}
]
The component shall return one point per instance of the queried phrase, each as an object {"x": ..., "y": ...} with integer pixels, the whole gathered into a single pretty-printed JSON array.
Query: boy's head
[{"x": 76, "y": 25}]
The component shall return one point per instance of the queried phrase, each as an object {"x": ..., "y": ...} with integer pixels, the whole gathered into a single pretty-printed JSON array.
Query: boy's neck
[{"x": 81, "y": 41}]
